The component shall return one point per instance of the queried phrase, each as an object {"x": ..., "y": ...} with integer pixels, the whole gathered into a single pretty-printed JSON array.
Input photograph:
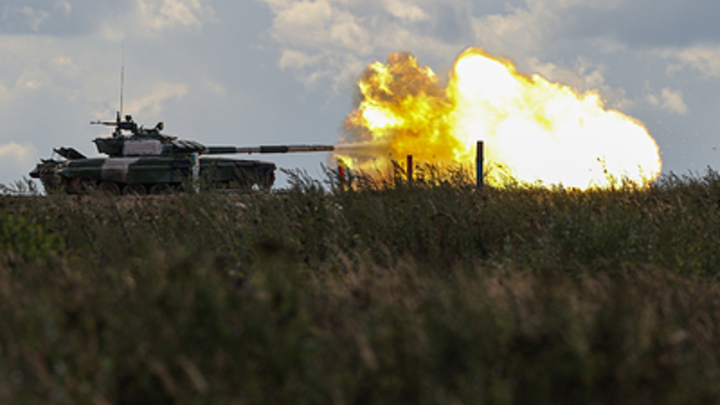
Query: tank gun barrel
[{"x": 219, "y": 150}]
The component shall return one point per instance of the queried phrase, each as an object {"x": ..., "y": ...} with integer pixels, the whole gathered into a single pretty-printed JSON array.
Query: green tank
[{"x": 142, "y": 161}]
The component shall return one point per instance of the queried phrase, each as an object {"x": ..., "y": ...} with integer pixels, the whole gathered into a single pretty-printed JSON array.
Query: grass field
[{"x": 382, "y": 292}]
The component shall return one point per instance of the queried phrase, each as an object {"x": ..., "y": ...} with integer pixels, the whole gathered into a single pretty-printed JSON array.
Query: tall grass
[{"x": 377, "y": 291}]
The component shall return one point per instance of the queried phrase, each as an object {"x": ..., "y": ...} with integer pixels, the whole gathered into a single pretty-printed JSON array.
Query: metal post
[
  {"x": 410, "y": 168},
  {"x": 195, "y": 162},
  {"x": 479, "y": 163}
]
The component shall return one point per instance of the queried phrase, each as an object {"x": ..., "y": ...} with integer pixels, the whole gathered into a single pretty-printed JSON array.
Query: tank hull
[
  {"x": 152, "y": 174},
  {"x": 141, "y": 160}
]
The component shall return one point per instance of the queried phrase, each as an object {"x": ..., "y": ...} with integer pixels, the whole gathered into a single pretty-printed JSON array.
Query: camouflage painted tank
[{"x": 144, "y": 161}]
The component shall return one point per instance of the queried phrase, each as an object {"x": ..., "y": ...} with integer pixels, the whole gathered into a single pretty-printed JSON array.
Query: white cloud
[
  {"x": 17, "y": 152},
  {"x": 584, "y": 76},
  {"x": 528, "y": 29},
  {"x": 150, "y": 18},
  {"x": 152, "y": 104},
  {"x": 213, "y": 86},
  {"x": 294, "y": 59},
  {"x": 327, "y": 39},
  {"x": 64, "y": 6},
  {"x": 400, "y": 9},
  {"x": 35, "y": 18},
  {"x": 641, "y": 24},
  {"x": 16, "y": 158},
  {"x": 703, "y": 58},
  {"x": 319, "y": 25},
  {"x": 32, "y": 79},
  {"x": 33, "y": 63},
  {"x": 168, "y": 14},
  {"x": 673, "y": 101},
  {"x": 669, "y": 100},
  {"x": 320, "y": 35},
  {"x": 588, "y": 76}
]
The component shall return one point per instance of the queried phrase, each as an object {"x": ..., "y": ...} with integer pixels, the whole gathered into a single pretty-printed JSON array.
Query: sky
[{"x": 257, "y": 72}]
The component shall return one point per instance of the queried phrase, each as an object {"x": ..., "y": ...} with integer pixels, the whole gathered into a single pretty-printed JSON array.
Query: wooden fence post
[{"x": 479, "y": 163}]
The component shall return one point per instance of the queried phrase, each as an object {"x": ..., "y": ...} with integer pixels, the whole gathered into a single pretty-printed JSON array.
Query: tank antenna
[{"x": 122, "y": 78}]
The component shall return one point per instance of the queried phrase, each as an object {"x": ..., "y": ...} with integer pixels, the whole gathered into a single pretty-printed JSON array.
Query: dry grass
[{"x": 376, "y": 293}]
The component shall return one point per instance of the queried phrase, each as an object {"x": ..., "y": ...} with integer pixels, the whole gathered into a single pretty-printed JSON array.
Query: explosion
[{"x": 534, "y": 130}]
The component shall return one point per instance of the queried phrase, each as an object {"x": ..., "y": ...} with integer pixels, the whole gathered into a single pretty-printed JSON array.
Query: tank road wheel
[
  {"x": 109, "y": 188},
  {"x": 134, "y": 189},
  {"x": 81, "y": 185},
  {"x": 161, "y": 189}
]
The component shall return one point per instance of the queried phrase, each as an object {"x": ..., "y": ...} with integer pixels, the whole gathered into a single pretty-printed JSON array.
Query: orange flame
[{"x": 534, "y": 130}]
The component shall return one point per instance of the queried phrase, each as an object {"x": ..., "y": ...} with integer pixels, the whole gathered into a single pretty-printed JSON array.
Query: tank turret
[
  {"x": 144, "y": 160},
  {"x": 150, "y": 142},
  {"x": 129, "y": 140}
]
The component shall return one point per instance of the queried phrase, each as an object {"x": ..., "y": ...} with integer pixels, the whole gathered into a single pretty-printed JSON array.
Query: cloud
[
  {"x": 319, "y": 25},
  {"x": 584, "y": 76},
  {"x": 64, "y": 6},
  {"x": 294, "y": 59},
  {"x": 335, "y": 39},
  {"x": 152, "y": 104},
  {"x": 321, "y": 35},
  {"x": 211, "y": 85},
  {"x": 33, "y": 64},
  {"x": 113, "y": 20},
  {"x": 520, "y": 29},
  {"x": 24, "y": 17},
  {"x": 34, "y": 18},
  {"x": 58, "y": 18},
  {"x": 151, "y": 18},
  {"x": 14, "y": 151},
  {"x": 404, "y": 11},
  {"x": 669, "y": 100},
  {"x": 702, "y": 58},
  {"x": 162, "y": 15},
  {"x": 644, "y": 23},
  {"x": 450, "y": 23},
  {"x": 15, "y": 158}
]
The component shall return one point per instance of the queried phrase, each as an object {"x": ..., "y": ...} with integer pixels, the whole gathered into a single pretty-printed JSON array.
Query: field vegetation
[{"x": 377, "y": 291}]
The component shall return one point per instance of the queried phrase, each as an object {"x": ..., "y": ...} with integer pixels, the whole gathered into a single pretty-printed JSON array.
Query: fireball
[{"x": 534, "y": 130}]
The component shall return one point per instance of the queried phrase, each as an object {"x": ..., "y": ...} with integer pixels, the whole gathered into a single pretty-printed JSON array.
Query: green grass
[{"x": 382, "y": 292}]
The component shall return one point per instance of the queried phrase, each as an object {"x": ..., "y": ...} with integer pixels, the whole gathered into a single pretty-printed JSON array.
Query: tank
[{"x": 141, "y": 161}]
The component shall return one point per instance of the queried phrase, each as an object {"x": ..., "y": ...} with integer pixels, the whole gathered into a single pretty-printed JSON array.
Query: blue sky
[{"x": 256, "y": 72}]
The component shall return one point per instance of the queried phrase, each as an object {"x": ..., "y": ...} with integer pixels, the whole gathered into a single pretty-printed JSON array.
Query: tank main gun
[{"x": 221, "y": 150}]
